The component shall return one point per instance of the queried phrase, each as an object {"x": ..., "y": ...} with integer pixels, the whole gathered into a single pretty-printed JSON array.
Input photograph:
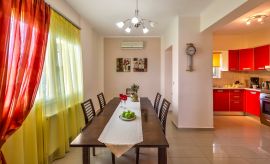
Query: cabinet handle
[
  {"x": 254, "y": 93},
  {"x": 261, "y": 68},
  {"x": 236, "y": 96},
  {"x": 219, "y": 90},
  {"x": 246, "y": 68},
  {"x": 236, "y": 91}
]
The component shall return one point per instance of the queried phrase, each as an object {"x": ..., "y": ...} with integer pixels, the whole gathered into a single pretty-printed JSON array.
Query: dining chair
[
  {"x": 89, "y": 114},
  {"x": 102, "y": 101},
  {"x": 163, "y": 112},
  {"x": 156, "y": 103}
]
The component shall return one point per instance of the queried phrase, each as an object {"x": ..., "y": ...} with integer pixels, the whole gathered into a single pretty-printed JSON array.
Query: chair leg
[
  {"x": 94, "y": 151},
  {"x": 137, "y": 155},
  {"x": 113, "y": 158}
]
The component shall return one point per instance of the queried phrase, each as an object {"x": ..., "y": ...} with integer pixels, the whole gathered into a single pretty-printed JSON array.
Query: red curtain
[{"x": 23, "y": 38}]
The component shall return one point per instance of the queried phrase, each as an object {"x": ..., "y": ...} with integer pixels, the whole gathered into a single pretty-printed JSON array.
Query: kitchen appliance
[
  {"x": 265, "y": 108},
  {"x": 265, "y": 85},
  {"x": 254, "y": 81}
]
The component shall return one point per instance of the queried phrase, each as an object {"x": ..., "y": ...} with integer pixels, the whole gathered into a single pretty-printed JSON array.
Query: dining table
[{"x": 153, "y": 136}]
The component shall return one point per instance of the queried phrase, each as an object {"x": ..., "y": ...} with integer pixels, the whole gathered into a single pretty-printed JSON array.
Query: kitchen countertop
[{"x": 250, "y": 89}]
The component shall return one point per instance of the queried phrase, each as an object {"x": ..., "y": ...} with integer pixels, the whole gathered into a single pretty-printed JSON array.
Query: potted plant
[{"x": 134, "y": 88}]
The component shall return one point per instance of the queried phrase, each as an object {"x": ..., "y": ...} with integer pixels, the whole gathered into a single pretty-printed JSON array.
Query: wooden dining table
[{"x": 153, "y": 136}]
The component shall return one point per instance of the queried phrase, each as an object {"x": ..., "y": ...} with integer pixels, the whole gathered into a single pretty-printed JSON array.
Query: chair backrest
[
  {"x": 101, "y": 100},
  {"x": 88, "y": 111},
  {"x": 156, "y": 103},
  {"x": 163, "y": 112}
]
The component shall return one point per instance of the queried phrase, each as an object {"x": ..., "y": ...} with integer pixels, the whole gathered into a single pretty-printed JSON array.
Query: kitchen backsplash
[{"x": 230, "y": 77}]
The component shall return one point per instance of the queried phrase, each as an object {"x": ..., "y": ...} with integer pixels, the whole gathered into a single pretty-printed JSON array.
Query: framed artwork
[
  {"x": 123, "y": 64},
  {"x": 139, "y": 64}
]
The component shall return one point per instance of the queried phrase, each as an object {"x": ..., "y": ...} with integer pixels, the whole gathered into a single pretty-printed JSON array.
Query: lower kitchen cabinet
[
  {"x": 252, "y": 102},
  {"x": 221, "y": 100},
  {"x": 236, "y": 100}
]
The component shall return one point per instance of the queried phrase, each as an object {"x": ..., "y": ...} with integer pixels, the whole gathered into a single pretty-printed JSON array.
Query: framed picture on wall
[
  {"x": 123, "y": 64},
  {"x": 139, "y": 64}
]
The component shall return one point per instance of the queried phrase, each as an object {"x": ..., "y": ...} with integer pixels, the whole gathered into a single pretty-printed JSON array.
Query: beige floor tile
[{"x": 235, "y": 140}]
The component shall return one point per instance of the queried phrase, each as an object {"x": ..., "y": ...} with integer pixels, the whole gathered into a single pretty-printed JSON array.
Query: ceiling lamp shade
[{"x": 136, "y": 22}]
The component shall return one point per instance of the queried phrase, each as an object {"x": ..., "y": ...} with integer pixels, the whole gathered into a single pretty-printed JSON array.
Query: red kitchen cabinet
[
  {"x": 233, "y": 60},
  {"x": 246, "y": 59},
  {"x": 252, "y": 102},
  {"x": 221, "y": 100},
  {"x": 237, "y": 100},
  {"x": 261, "y": 57}
]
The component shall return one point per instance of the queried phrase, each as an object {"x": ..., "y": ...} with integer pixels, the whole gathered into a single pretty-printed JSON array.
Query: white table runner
[{"x": 118, "y": 135}]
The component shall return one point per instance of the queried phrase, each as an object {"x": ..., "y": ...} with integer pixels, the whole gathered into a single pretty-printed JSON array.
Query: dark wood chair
[
  {"x": 156, "y": 103},
  {"x": 89, "y": 114},
  {"x": 163, "y": 112},
  {"x": 102, "y": 101}
]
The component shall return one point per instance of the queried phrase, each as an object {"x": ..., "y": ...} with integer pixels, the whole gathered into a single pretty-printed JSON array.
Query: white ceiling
[
  {"x": 239, "y": 26},
  {"x": 103, "y": 14}
]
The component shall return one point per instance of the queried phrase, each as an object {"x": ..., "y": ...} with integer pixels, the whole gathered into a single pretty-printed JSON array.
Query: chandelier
[
  {"x": 259, "y": 18},
  {"x": 136, "y": 23}
]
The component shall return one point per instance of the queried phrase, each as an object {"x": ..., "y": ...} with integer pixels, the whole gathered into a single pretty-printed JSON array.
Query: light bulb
[
  {"x": 134, "y": 20},
  {"x": 145, "y": 30},
  {"x": 120, "y": 24},
  {"x": 248, "y": 22},
  {"x": 260, "y": 19},
  {"x": 128, "y": 29},
  {"x": 152, "y": 24}
]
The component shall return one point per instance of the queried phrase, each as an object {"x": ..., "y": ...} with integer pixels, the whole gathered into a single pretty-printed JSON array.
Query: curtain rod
[{"x": 66, "y": 18}]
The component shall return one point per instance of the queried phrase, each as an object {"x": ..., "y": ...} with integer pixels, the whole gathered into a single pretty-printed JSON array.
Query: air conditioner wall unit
[{"x": 132, "y": 45}]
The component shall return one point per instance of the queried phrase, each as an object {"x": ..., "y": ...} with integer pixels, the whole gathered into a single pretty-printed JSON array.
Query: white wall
[
  {"x": 117, "y": 82},
  {"x": 192, "y": 105},
  {"x": 170, "y": 39},
  {"x": 92, "y": 51},
  {"x": 195, "y": 88}
]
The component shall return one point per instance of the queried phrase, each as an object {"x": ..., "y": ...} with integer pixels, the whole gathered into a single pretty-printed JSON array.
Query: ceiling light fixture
[
  {"x": 259, "y": 18},
  {"x": 136, "y": 23}
]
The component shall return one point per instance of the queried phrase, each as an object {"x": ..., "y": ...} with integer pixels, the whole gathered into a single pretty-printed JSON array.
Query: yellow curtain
[
  {"x": 56, "y": 117},
  {"x": 216, "y": 59}
]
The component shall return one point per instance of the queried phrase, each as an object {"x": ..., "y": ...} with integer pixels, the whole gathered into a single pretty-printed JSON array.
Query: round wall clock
[{"x": 190, "y": 50}]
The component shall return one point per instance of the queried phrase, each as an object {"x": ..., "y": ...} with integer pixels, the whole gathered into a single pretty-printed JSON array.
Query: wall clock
[{"x": 190, "y": 51}]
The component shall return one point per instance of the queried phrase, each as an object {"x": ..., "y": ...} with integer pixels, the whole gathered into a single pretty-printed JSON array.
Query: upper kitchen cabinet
[
  {"x": 233, "y": 60},
  {"x": 261, "y": 57},
  {"x": 246, "y": 59}
]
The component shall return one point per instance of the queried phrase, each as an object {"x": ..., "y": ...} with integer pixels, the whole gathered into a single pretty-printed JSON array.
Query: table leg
[
  {"x": 86, "y": 155},
  {"x": 162, "y": 155}
]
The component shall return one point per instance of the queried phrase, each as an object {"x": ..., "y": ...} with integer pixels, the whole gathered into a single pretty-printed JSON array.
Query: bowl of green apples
[{"x": 127, "y": 115}]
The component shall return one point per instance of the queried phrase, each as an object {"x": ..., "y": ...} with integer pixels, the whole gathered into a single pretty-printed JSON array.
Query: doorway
[{"x": 168, "y": 74}]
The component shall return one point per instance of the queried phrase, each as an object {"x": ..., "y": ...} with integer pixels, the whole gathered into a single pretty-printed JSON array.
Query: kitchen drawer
[
  {"x": 236, "y": 105},
  {"x": 236, "y": 97}
]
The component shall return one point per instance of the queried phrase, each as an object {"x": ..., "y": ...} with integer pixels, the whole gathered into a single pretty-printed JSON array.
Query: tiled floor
[{"x": 235, "y": 140}]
